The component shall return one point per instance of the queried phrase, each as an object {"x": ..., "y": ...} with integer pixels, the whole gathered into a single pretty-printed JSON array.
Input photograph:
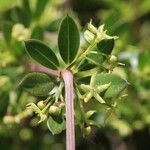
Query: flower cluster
[{"x": 98, "y": 34}]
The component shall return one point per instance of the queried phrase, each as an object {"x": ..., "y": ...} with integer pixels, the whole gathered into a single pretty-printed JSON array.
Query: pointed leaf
[
  {"x": 41, "y": 53},
  {"x": 56, "y": 124},
  {"x": 106, "y": 46},
  {"x": 117, "y": 84},
  {"x": 68, "y": 39},
  {"x": 37, "y": 84}
]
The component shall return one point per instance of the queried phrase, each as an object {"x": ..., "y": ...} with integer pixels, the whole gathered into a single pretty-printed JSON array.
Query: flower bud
[
  {"x": 92, "y": 28},
  {"x": 62, "y": 105},
  {"x": 54, "y": 110},
  {"x": 8, "y": 120},
  {"x": 25, "y": 134},
  {"x": 87, "y": 130},
  {"x": 17, "y": 119},
  {"x": 41, "y": 104},
  {"x": 89, "y": 36},
  {"x": 113, "y": 59}
]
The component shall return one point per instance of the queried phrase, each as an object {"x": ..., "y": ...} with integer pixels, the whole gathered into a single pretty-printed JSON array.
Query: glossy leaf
[
  {"x": 41, "y": 53},
  {"x": 37, "y": 84},
  {"x": 106, "y": 46},
  {"x": 56, "y": 124},
  {"x": 68, "y": 39},
  {"x": 117, "y": 84}
]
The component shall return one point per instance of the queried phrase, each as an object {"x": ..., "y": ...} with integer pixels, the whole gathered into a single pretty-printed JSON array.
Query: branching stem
[{"x": 39, "y": 68}]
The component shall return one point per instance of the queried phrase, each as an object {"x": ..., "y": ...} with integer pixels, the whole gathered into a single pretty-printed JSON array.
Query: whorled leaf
[
  {"x": 37, "y": 84},
  {"x": 41, "y": 53},
  {"x": 68, "y": 39}
]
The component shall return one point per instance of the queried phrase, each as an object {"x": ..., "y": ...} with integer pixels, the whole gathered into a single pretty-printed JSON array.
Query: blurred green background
[{"x": 128, "y": 126}]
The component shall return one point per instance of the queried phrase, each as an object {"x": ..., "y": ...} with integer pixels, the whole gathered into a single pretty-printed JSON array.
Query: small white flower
[
  {"x": 96, "y": 33},
  {"x": 101, "y": 34},
  {"x": 54, "y": 90},
  {"x": 92, "y": 28},
  {"x": 89, "y": 36},
  {"x": 19, "y": 32}
]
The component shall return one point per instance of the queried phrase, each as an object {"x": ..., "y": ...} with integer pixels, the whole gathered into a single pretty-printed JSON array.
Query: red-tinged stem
[
  {"x": 39, "y": 68},
  {"x": 70, "y": 132}
]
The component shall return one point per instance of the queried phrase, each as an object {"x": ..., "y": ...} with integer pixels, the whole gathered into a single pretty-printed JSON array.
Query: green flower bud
[
  {"x": 62, "y": 105},
  {"x": 54, "y": 110},
  {"x": 113, "y": 59},
  {"x": 26, "y": 134},
  {"x": 17, "y": 119},
  {"x": 87, "y": 130},
  {"x": 8, "y": 120},
  {"x": 41, "y": 104}
]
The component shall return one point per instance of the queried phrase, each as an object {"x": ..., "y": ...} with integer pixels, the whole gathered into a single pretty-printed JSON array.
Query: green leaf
[
  {"x": 4, "y": 102},
  {"x": 95, "y": 57},
  {"x": 37, "y": 84},
  {"x": 144, "y": 61},
  {"x": 20, "y": 15},
  {"x": 37, "y": 33},
  {"x": 27, "y": 11},
  {"x": 53, "y": 26},
  {"x": 42, "y": 53},
  {"x": 56, "y": 124},
  {"x": 40, "y": 6},
  {"x": 106, "y": 46},
  {"x": 7, "y": 28},
  {"x": 68, "y": 39},
  {"x": 117, "y": 84}
]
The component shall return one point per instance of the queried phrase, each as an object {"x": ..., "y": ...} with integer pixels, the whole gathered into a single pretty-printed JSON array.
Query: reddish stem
[
  {"x": 39, "y": 68},
  {"x": 68, "y": 79},
  {"x": 70, "y": 132}
]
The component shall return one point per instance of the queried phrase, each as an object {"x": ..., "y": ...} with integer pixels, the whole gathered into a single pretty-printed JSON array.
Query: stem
[
  {"x": 80, "y": 58},
  {"x": 39, "y": 68},
  {"x": 70, "y": 132}
]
